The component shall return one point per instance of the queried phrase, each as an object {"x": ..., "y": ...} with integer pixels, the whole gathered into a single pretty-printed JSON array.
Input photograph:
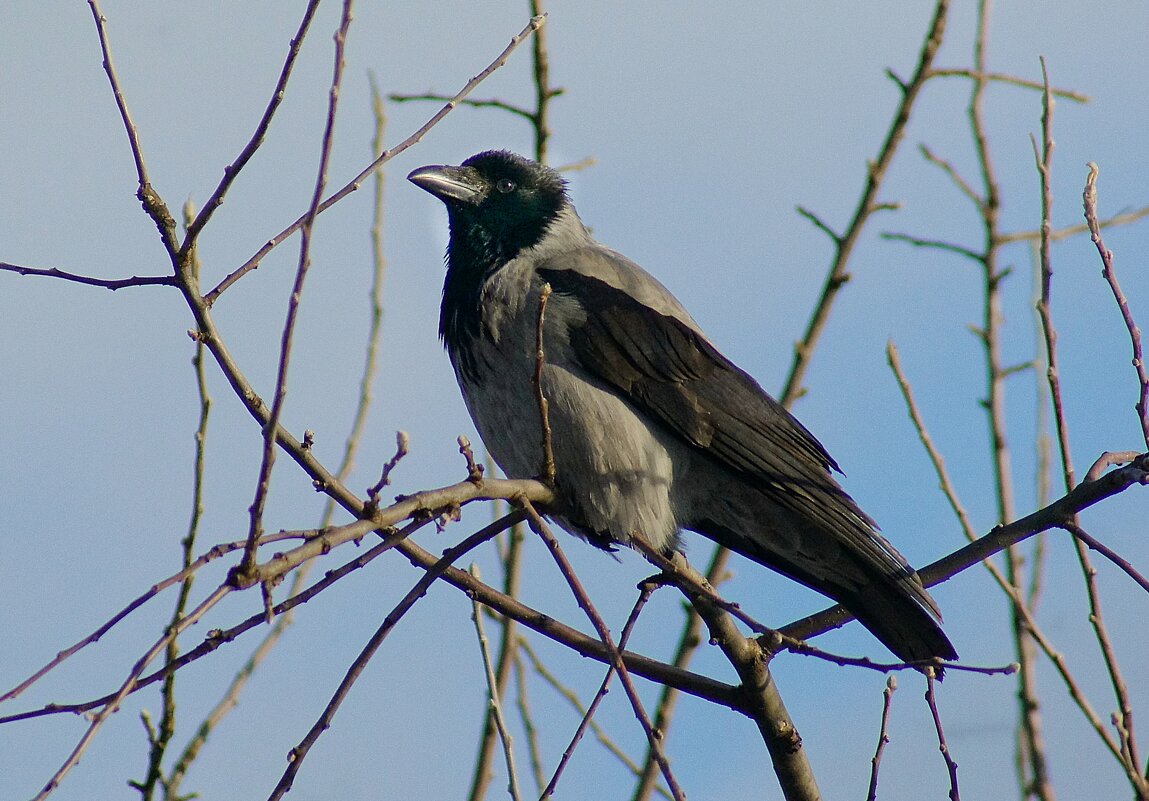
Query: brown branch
[
  {"x": 867, "y": 205},
  {"x": 539, "y": 526},
  {"x": 130, "y": 684},
  {"x": 943, "y": 746},
  {"x": 548, "y": 466},
  {"x": 883, "y": 737},
  {"x": 765, "y": 705},
  {"x": 152, "y": 202},
  {"x": 105, "y": 283},
  {"x": 983, "y": 76},
  {"x": 1054, "y": 515},
  {"x": 299, "y": 752},
  {"x": 494, "y": 694},
  {"x": 535, "y": 24},
  {"x": 231, "y": 171},
  {"x": 1090, "y": 201},
  {"x": 215, "y": 552},
  {"x": 1096, "y": 545},
  {"x": 646, "y": 589},
  {"x": 263, "y": 482}
]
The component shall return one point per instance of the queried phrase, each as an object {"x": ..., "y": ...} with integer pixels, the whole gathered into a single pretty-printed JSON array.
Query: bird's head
[{"x": 499, "y": 204}]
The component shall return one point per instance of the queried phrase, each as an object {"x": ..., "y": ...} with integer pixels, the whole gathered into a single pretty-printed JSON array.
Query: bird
[{"x": 653, "y": 431}]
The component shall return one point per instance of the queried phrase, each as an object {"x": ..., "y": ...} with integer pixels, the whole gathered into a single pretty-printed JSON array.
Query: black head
[{"x": 499, "y": 204}]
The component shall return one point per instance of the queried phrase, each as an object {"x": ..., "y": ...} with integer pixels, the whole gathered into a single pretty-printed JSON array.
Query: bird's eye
[{"x": 505, "y": 185}]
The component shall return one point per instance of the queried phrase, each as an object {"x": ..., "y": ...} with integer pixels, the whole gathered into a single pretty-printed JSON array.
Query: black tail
[{"x": 891, "y": 603}]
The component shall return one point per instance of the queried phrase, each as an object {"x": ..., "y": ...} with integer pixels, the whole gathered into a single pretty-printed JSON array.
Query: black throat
[{"x": 475, "y": 252}]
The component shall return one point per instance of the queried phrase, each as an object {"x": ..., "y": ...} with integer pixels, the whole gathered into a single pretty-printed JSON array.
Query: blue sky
[{"x": 708, "y": 126}]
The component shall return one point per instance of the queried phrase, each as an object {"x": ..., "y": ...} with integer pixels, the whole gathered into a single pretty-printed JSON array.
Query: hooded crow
[{"x": 653, "y": 430}]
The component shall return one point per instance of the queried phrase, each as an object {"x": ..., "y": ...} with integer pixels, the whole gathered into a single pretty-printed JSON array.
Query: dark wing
[
  {"x": 660, "y": 362},
  {"x": 669, "y": 370}
]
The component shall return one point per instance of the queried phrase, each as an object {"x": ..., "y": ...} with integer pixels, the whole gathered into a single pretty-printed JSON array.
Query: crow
[{"x": 653, "y": 430}]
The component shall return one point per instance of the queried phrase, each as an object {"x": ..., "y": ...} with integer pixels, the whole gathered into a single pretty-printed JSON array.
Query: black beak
[{"x": 448, "y": 183}]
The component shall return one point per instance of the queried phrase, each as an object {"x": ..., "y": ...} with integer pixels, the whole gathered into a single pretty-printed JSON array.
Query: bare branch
[
  {"x": 231, "y": 171},
  {"x": 263, "y": 482},
  {"x": 490, "y": 103},
  {"x": 106, "y": 283},
  {"x": 384, "y": 157},
  {"x": 646, "y": 589},
  {"x": 866, "y": 206},
  {"x": 982, "y": 76},
  {"x": 943, "y": 746},
  {"x": 883, "y": 737},
  {"x": 493, "y": 694},
  {"x": 1090, "y": 199},
  {"x": 129, "y": 686},
  {"x": 937, "y": 244},
  {"x": 548, "y": 466},
  {"x": 299, "y": 753}
]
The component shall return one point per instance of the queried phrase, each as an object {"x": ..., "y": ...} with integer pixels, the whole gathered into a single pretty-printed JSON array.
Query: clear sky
[{"x": 708, "y": 124}]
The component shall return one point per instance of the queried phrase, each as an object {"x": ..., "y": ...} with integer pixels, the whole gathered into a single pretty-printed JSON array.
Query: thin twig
[
  {"x": 572, "y": 698},
  {"x": 1090, "y": 201},
  {"x": 1058, "y": 234},
  {"x": 493, "y": 695},
  {"x": 584, "y": 602},
  {"x": 129, "y": 685},
  {"x": 646, "y": 589},
  {"x": 1000, "y": 77},
  {"x": 548, "y": 466},
  {"x": 299, "y": 752},
  {"x": 1096, "y": 545},
  {"x": 488, "y": 103},
  {"x": 167, "y": 725},
  {"x": 218, "y": 637},
  {"x": 263, "y": 483},
  {"x": 949, "y": 169},
  {"x": 215, "y": 552},
  {"x": 883, "y": 737},
  {"x": 936, "y": 244},
  {"x": 511, "y": 561},
  {"x": 535, "y": 24},
  {"x": 106, "y": 283},
  {"x": 526, "y": 715},
  {"x": 152, "y": 202},
  {"x": 231, "y": 171},
  {"x": 866, "y": 206},
  {"x": 943, "y": 746},
  {"x": 1061, "y": 427}
]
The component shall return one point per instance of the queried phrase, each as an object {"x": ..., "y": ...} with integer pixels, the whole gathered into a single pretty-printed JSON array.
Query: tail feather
[{"x": 891, "y": 603}]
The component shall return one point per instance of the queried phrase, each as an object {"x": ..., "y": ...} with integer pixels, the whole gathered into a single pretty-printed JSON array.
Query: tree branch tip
[{"x": 474, "y": 469}]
